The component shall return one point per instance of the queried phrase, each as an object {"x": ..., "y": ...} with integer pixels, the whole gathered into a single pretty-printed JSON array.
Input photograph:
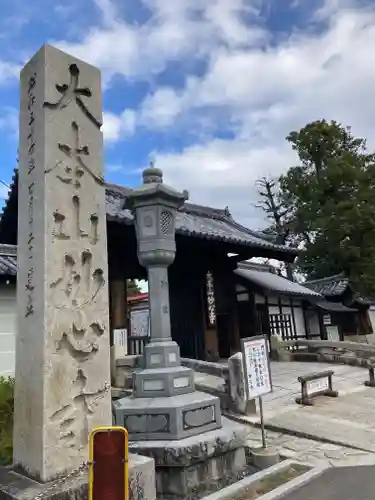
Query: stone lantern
[
  {"x": 164, "y": 404},
  {"x": 154, "y": 206}
]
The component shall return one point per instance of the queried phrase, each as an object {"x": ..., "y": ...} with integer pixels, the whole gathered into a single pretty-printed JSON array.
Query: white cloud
[
  {"x": 223, "y": 172},
  {"x": 4, "y": 191},
  {"x": 261, "y": 95},
  {"x": 117, "y": 126},
  {"x": 108, "y": 10},
  {"x": 8, "y": 72},
  {"x": 161, "y": 108},
  {"x": 175, "y": 30},
  {"x": 255, "y": 88}
]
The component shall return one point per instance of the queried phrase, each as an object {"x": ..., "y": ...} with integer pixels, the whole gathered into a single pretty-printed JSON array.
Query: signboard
[
  {"x": 333, "y": 333},
  {"x": 108, "y": 464},
  {"x": 327, "y": 319},
  {"x": 140, "y": 322},
  {"x": 211, "y": 305},
  {"x": 318, "y": 385},
  {"x": 257, "y": 366},
  {"x": 120, "y": 340}
]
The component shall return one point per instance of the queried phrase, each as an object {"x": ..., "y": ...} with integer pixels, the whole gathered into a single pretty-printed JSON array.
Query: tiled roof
[
  {"x": 192, "y": 220},
  {"x": 197, "y": 220},
  {"x": 331, "y": 286},
  {"x": 334, "y": 306},
  {"x": 8, "y": 260},
  {"x": 272, "y": 282}
]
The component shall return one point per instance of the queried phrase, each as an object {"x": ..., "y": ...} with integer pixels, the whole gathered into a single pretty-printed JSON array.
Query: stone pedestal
[
  {"x": 14, "y": 486},
  {"x": 196, "y": 463},
  {"x": 238, "y": 394},
  {"x": 168, "y": 418}
]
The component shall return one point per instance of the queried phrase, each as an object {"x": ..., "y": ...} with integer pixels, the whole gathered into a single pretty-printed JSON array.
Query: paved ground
[
  {"x": 311, "y": 451},
  {"x": 338, "y": 432},
  {"x": 348, "y": 483},
  {"x": 347, "y": 420},
  {"x": 347, "y": 379}
]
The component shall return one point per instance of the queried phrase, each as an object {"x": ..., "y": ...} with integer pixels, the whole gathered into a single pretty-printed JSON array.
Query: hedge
[{"x": 6, "y": 420}]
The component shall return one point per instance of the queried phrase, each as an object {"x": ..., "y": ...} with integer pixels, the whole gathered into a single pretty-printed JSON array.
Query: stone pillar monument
[
  {"x": 62, "y": 351},
  {"x": 165, "y": 404}
]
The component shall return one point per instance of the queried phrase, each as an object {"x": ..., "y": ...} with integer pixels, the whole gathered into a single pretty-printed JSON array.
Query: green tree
[
  {"x": 133, "y": 288},
  {"x": 330, "y": 201}
]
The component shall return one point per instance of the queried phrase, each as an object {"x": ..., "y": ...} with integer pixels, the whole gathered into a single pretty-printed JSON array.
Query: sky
[{"x": 208, "y": 89}]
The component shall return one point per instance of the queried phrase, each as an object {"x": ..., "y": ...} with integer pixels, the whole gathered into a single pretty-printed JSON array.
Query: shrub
[{"x": 6, "y": 420}]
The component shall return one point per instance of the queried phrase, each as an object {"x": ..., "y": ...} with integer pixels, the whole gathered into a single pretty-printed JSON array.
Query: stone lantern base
[
  {"x": 167, "y": 418},
  {"x": 159, "y": 382},
  {"x": 197, "y": 464}
]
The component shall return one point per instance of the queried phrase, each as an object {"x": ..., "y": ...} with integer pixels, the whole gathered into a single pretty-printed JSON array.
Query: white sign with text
[
  {"x": 257, "y": 366},
  {"x": 120, "y": 341}
]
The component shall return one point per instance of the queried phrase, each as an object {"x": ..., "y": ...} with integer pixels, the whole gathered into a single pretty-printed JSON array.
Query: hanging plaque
[{"x": 211, "y": 304}]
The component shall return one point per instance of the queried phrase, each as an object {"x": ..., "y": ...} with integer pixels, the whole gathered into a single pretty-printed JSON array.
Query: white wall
[{"x": 7, "y": 329}]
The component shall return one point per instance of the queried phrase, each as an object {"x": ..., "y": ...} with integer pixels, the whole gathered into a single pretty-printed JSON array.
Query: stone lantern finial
[{"x": 152, "y": 174}]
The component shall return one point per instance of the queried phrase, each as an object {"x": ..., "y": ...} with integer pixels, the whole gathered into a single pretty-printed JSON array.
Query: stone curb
[
  {"x": 230, "y": 491},
  {"x": 294, "y": 484},
  {"x": 299, "y": 434},
  {"x": 357, "y": 461}
]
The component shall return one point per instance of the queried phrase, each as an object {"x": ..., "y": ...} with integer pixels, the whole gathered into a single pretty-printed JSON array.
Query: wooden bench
[{"x": 316, "y": 384}]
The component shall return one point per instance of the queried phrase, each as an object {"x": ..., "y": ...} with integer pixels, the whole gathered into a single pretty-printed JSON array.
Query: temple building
[
  {"x": 344, "y": 309},
  {"x": 210, "y": 243},
  {"x": 216, "y": 295},
  {"x": 8, "y": 272}
]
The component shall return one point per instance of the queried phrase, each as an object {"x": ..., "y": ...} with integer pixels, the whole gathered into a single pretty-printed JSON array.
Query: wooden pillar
[
  {"x": 305, "y": 319},
  {"x": 293, "y": 317},
  {"x": 234, "y": 315},
  {"x": 117, "y": 316},
  {"x": 118, "y": 305},
  {"x": 280, "y": 305},
  {"x": 321, "y": 326},
  {"x": 281, "y": 323},
  {"x": 268, "y": 315}
]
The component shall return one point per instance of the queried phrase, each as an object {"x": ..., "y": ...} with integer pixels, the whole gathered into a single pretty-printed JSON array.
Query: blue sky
[{"x": 209, "y": 88}]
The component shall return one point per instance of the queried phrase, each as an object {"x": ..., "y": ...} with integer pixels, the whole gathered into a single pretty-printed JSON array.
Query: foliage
[
  {"x": 329, "y": 203},
  {"x": 6, "y": 420},
  {"x": 133, "y": 288}
]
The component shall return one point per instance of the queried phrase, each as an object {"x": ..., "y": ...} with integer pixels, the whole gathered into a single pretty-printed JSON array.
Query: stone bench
[{"x": 315, "y": 384}]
